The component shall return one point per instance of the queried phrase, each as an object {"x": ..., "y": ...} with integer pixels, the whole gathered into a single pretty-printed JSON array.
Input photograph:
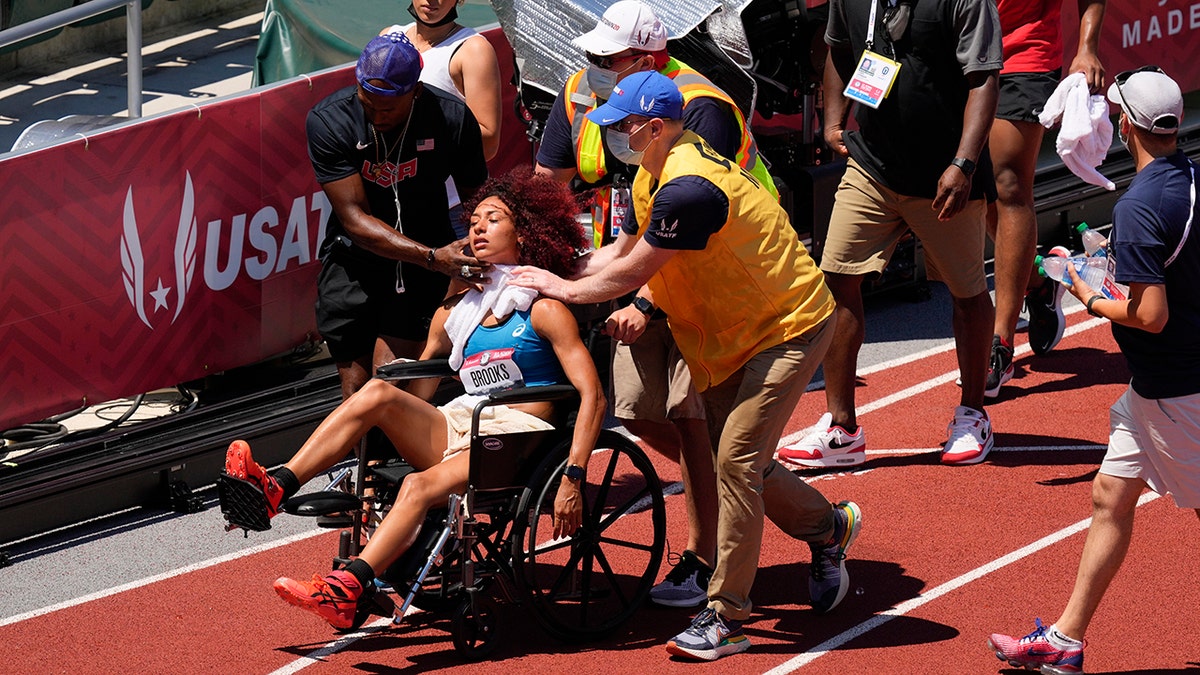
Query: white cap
[
  {"x": 627, "y": 24},
  {"x": 1151, "y": 100}
]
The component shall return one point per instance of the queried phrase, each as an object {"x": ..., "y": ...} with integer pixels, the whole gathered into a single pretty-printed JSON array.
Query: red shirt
[{"x": 1032, "y": 31}]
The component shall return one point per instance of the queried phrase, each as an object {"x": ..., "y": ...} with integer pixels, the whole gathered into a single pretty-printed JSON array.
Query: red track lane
[{"x": 928, "y": 553}]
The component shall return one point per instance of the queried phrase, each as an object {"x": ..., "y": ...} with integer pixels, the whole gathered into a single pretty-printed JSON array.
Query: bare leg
[
  {"x": 419, "y": 492},
  {"x": 973, "y": 342},
  {"x": 353, "y": 375},
  {"x": 686, "y": 441},
  {"x": 841, "y": 361},
  {"x": 1012, "y": 222},
  {"x": 1114, "y": 501},
  {"x": 415, "y": 427}
]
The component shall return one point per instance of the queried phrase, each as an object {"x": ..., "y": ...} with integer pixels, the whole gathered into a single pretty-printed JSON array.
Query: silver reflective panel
[{"x": 706, "y": 34}]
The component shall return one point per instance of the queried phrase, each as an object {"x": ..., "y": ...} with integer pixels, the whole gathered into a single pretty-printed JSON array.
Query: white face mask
[
  {"x": 601, "y": 80},
  {"x": 618, "y": 142}
]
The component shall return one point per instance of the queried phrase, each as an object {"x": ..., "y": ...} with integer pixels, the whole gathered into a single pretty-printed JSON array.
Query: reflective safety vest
[
  {"x": 589, "y": 146},
  {"x": 752, "y": 287}
]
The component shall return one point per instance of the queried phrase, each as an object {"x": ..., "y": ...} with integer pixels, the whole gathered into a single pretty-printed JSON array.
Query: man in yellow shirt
[{"x": 752, "y": 317}]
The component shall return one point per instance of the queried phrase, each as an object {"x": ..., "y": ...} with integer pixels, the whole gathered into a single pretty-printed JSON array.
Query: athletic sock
[
  {"x": 1060, "y": 641},
  {"x": 287, "y": 482},
  {"x": 361, "y": 571}
]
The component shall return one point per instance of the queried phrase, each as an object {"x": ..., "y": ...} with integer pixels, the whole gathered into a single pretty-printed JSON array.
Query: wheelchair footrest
[
  {"x": 243, "y": 503},
  {"x": 323, "y": 503}
]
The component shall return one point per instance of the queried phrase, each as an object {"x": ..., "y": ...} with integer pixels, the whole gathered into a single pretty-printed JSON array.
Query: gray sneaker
[
  {"x": 828, "y": 580},
  {"x": 686, "y": 585}
]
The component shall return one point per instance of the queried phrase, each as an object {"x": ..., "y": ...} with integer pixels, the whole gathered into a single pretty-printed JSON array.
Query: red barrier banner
[
  {"x": 1136, "y": 33},
  {"x": 170, "y": 248},
  {"x": 159, "y": 251}
]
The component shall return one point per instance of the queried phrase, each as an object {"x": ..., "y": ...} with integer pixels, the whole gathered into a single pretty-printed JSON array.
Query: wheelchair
[{"x": 497, "y": 537}]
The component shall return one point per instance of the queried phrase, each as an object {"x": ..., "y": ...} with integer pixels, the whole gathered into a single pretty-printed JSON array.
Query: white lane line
[
  {"x": 903, "y": 608},
  {"x": 164, "y": 576},
  {"x": 316, "y": 656}
]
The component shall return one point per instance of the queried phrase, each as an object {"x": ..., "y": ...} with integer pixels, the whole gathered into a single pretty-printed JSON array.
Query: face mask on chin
[{"x": 618, "y": 142}]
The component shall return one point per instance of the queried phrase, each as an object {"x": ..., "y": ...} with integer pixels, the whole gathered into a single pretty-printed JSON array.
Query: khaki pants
[{"x": 746, "y": 417}]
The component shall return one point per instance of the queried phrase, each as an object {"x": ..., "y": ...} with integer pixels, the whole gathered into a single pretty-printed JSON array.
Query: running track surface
[{"x": 947, "y": 555}]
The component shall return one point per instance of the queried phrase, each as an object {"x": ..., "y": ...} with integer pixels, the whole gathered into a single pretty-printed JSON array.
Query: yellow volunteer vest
[
  {"x": 754, "y": 285},
  {"x": 589, "y": 147}
]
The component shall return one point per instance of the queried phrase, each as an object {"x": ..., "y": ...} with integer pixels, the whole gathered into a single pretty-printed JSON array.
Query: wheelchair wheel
[
  {"x": 585, "y": 586},
  {"x": 474, "y": 627}
]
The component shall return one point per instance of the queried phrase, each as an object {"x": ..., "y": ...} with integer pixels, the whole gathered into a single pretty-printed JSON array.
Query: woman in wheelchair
[{"x": 497, "y": 336}]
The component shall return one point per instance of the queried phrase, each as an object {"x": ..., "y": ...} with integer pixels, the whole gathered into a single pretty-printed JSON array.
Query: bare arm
[
  {"x": 560, "y": 175},
  {"x": 1145, "y": 309},
  {"x": 954, "y": 187},
  {"x": 623, "y": 275},
  {"x": 1087, "y": 56},
  {"x": 437, "y": 344},
  {"x": 349, "y": 201},
  {"x": 477, "y": 74},
  {"x": 552, "y": 320},
  {"x": 837, "y": 106}
]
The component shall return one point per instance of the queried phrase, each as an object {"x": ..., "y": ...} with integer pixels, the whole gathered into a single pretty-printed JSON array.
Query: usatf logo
[
  {"x": 134, "y": 263},
  {"x": 243, "y": 245}
]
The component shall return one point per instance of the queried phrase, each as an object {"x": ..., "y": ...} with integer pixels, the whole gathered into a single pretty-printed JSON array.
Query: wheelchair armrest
[
  {"x": 549, "y": 392},
  {"x": 414, "y": 370}
]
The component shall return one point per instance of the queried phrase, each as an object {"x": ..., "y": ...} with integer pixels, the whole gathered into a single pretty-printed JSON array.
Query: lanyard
[{"x": 871, "y": 22}]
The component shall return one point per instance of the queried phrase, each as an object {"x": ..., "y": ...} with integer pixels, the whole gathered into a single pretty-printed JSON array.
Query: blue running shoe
[
  {"x": 709, "y": 638},
  {"x": 1035, "y": 652},
  {"x": 828, "y": 580}
]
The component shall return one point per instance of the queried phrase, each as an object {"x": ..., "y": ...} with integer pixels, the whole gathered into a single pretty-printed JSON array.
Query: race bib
[
  {"x": 873, "y": 79},
  {"x": 490, "y": 370}
]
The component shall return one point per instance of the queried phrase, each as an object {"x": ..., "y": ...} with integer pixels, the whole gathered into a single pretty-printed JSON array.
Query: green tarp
[{"x": 302, "y": 36}]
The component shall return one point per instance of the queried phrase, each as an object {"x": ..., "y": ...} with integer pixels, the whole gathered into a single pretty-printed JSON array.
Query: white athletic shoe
[
  {"x": 970, "y": 437},
  {"x": 827, "y": 445}
]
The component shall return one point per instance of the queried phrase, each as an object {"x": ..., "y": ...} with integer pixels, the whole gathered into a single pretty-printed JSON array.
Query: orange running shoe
[
  {"x": 239, "y": 464},
  {"x": 333, "y": 597}
]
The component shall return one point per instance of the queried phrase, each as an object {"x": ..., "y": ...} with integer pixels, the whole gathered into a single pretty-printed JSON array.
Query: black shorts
[
  {"x": 1024, "y": 95},
  {"x": 357, "y": 302}
]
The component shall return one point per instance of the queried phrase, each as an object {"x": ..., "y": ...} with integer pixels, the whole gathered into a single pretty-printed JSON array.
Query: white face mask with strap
[{"x": 618, "y": 142}]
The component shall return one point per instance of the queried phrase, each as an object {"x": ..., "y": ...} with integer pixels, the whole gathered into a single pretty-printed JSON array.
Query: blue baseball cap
[
  {"x": 392, "y": 59},
  {"x": 647, "y": 93}
]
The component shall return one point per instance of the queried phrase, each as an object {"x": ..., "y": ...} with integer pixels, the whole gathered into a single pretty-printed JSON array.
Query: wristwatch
[
  {"x": 643, "y": 305},
  {"x": 1091, "y": 301},
  {"x": 967, "y": 166},
  {"x": 575, "y": 473}
]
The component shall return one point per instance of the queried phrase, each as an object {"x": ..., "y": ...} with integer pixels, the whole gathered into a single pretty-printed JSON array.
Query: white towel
[
  {"x": 1086, "y": 131},
  {"x": 497, "y": 296}
]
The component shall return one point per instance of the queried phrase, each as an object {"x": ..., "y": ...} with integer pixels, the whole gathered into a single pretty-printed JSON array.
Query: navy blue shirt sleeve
[
  {"x": 1139, "y": 247},
  {"x": 556, "y": 150},
  {"x": 327, "y": 148},
  {"x": 686, "y": 212},
  {"x": 713, "y": 120}
]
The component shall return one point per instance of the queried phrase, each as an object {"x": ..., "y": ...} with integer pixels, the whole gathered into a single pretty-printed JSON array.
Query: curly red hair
[{"x": 544, "y": 212}]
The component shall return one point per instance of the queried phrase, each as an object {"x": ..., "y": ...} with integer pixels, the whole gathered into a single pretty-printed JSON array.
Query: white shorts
[
  {"x": 1158, "y": 441},
  {"x": 496, "y": 419}
]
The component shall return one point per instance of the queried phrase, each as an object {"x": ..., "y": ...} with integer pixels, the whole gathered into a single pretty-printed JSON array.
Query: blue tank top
[{"x": 509, "y": 355}]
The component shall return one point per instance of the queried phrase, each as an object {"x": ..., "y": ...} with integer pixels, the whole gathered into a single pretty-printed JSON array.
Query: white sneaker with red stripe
[
  {"x": 970, "y": 437},
  {"x": 827, "y": 444}
]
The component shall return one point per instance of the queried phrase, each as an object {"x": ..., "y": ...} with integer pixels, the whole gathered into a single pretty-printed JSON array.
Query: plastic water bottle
[
  {"x": 1094, "y": 243},
  {"x": 1091, "y": 269}
]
